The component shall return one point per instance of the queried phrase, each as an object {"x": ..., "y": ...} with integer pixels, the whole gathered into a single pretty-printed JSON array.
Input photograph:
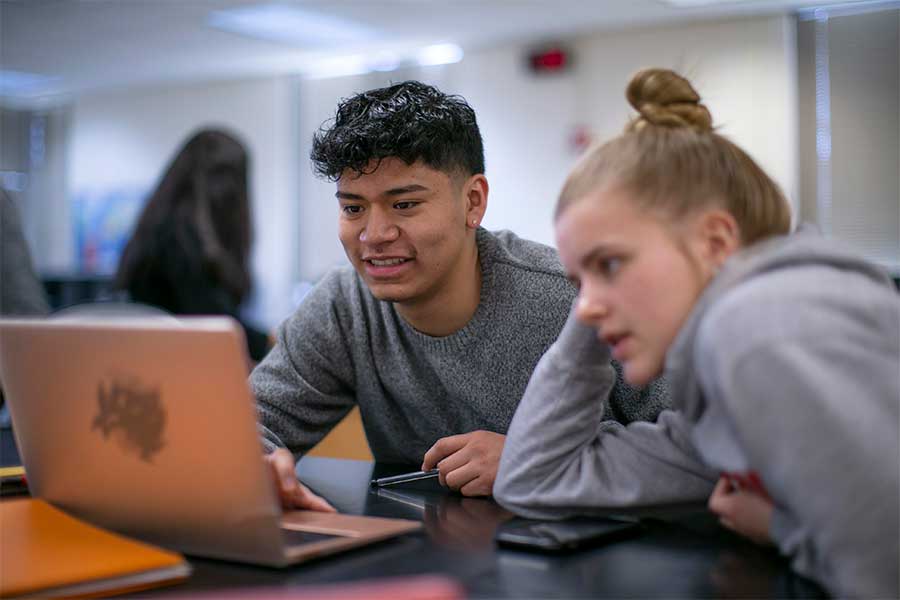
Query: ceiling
[{"x": 53, "y": 48}]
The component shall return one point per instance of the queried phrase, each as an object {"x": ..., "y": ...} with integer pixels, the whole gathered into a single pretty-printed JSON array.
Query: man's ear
[
  {"x": 475, "y": 190},
  {"x": 717, "y": 236}
]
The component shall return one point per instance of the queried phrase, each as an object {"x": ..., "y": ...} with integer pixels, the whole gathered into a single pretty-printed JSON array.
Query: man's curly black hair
[{"x": 411, "y": 121}]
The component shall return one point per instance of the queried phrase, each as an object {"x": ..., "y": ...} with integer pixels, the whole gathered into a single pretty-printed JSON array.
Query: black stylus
[{"x": 404, "y": 478}]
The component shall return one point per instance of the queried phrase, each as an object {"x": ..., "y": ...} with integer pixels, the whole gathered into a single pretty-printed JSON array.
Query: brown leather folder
[{"x": 46, "y": 553}]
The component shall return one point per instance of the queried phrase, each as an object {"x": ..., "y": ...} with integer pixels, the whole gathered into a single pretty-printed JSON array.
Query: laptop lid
[{"x": 148, "y": 427}]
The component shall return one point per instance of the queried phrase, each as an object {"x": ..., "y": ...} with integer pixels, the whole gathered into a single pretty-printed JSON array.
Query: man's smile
[{"x": 386, "y": 267}]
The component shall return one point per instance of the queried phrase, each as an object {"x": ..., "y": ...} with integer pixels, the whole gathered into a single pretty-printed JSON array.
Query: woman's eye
[{"x": 610, "y": 266}]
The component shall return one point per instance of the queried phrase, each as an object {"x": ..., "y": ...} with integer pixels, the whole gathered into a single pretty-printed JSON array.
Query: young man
[{"x": 435, "y": 329}]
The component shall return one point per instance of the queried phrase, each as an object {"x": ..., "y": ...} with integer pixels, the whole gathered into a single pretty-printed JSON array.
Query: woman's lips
[{"x": 619, "y": 344}]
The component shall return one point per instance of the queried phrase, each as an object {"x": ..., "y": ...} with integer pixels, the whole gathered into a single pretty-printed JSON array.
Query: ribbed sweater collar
[{"x": 487, "y": 255}]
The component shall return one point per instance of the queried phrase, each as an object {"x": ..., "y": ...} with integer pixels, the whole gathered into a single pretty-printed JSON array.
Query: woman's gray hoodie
[{"x": 787, "y": 369}]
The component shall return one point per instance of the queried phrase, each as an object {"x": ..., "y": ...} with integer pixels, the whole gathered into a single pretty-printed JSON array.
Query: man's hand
[
  {"x": 467, "y": 462},
  {"x": 292, "y": 493},
  {"x": 745, "y": 512}
]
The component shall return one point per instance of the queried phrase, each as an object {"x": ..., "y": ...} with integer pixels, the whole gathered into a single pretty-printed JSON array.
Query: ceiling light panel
[{"x": 291, "y": 25}]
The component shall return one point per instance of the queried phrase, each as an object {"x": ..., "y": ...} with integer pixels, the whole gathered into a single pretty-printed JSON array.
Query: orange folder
[{"x": 46, "y": 553}]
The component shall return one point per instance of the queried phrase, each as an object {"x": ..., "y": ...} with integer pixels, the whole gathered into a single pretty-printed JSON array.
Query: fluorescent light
[
  {"x": 336, "y": 66},
  {"x": 796, "y": 4},
  {"x": 439, "y": 54},
  {"x": 289, "y": 24},
  {"x": 20, "y": 83},
  {"x": 690, "y": 3},
  {"x": 384, "y": 61},
  {"x": 327, "y": 66},
  {"x": 847, "y": 7}
]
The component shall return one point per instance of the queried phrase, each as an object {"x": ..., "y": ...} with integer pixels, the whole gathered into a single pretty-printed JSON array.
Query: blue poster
[{"x": 104, "y": 220}]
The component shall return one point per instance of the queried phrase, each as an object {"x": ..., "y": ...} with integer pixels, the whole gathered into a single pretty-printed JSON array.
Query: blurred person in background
[
  {"x": 190, "y": 250},
  {"x": 21, "y": 292}
]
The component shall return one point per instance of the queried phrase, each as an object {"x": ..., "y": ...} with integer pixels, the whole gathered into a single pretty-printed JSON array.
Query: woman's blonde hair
[{"x": 673, "y": 162}]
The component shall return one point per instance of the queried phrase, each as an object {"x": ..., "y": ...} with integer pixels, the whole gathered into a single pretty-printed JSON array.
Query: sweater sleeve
[
  {"x": 628, "y": 404},
  {"x": 562, "y": 458},
  {"x": 305, "y": 385},
  {"x": 818, "y": 418}
]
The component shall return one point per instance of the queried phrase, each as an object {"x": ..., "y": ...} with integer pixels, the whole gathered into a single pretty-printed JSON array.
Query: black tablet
[{"x": 564, "y": 536}]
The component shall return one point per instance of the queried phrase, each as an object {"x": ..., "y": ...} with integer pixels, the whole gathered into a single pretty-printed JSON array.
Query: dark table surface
[{"x": 682, "y": 552}]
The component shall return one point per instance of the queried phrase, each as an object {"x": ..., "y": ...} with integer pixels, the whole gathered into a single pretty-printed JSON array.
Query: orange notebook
[{"x": 44, "y": 552}]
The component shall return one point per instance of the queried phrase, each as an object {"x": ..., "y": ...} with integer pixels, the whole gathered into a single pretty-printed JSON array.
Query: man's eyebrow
[
  {"x": 398, "y": 191},
  {"x": 406, "y": 189}
]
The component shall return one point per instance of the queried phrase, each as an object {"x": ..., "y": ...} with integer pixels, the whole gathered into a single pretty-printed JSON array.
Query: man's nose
[{"x": 379, "y": 229}]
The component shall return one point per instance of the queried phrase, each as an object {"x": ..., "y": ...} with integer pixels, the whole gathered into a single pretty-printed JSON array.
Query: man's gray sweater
[{"x": 343, "y": 347}]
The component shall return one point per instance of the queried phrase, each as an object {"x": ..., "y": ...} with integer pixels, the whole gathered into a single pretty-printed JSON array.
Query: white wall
[
  {"x": 46, "y": 217},
  {"x": 527, "y": 123},
  {"x": 745, "y": 69},
  {"x": 128, "y": 138}
]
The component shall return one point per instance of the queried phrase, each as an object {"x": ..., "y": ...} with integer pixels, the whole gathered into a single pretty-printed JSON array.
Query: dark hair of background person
[
  {"x": 411, "y": 121},
  {"x": 189, "y": 252}
]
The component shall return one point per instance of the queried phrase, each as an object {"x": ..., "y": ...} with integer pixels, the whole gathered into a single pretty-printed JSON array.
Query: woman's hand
[{"x": 744, "y": 512}]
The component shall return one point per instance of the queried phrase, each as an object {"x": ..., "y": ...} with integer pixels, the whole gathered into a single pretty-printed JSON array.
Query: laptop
[{"x": 148, "y": 427}]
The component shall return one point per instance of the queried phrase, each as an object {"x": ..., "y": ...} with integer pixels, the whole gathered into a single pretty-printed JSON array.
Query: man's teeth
[{"x": 387, "y": 263}]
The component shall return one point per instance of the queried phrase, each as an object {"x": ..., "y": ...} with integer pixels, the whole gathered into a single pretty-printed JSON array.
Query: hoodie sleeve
[
  {"x": 562, "y": 458},
  {"x": 812, "y": 393}
]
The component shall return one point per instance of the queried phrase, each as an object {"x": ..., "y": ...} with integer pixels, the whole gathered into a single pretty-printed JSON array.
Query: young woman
[
  {"x": 782, "y": 352},
  {"x": 189, "y": 252}
]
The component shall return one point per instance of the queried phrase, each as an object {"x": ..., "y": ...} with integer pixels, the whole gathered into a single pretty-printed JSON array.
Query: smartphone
[{"x": 564, "y": 536}]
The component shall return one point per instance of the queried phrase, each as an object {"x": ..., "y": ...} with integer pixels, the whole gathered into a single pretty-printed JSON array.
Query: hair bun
[{"x": 666, "y": 99}]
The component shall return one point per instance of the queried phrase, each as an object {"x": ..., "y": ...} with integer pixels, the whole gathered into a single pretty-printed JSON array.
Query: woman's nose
[{"x": 590, "y": 308}]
